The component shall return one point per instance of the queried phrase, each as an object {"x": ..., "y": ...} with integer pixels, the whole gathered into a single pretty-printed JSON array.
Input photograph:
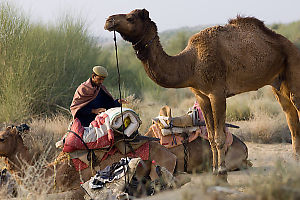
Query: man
[{"x": 92, "y": 98}]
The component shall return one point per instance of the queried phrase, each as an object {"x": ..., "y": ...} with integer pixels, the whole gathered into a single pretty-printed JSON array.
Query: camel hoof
[
  {"x": 296, "y": 157},
  {"x": 222, "y": 174},
  {"x": 222, "y": 170},
  {"x": 215, "y": 171}
]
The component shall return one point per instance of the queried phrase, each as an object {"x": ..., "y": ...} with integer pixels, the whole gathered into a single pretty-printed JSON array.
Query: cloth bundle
[
  {"x": 112, "y": 189},
  {"x": 131, "y": 120},
  {"x": 109, "y": 174}
]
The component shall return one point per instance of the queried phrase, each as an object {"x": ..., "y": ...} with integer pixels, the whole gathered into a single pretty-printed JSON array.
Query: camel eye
[
  {"x": 130, "y": 19},
  {"x": 1, "y": 139}
]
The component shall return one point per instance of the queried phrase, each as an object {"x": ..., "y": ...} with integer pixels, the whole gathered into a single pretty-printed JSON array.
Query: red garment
[{"x": 84, "y": 94}]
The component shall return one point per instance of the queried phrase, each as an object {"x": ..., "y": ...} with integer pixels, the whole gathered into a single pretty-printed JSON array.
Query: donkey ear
[{"x": 144, "y": 14}]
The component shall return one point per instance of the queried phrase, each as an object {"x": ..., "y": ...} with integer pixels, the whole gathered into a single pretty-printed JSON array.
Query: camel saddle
[
  {"x": 173, "y": 131},
  {"x": 123, "y": 145}
]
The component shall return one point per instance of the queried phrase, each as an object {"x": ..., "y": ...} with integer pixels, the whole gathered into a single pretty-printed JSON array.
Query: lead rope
[{"x": 120, "y": 95}]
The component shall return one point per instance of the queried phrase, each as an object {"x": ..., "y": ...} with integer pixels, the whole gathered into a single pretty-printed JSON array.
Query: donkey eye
[{"x": 1, "y": 139}]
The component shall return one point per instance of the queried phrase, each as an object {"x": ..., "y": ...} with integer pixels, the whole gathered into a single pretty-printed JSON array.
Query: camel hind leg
[
  {"x": 292, "y": 116},
  {"x": 292, "y": 76}
]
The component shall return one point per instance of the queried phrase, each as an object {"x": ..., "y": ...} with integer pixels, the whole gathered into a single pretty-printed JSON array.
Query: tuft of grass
[{"x": 282, "y": 184}]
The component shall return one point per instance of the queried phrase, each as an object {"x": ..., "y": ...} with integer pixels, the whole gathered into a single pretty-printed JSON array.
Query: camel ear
[
  {"x": 165, "y": 111},
  {"x": 8, "y": 128},
  {"x": 144, "y": 14},
  {"x": 12, "y": 130}
]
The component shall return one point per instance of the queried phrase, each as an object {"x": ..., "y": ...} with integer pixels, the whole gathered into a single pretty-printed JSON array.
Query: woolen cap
[{"x": 100, "y": 71}]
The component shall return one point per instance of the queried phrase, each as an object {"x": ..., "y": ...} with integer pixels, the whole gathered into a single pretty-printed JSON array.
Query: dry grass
[
  {"x": 41, "y": 141},
  {"x": 265, "y": 121},
  {"x": 263, "y": 129},
  {"x": 45, "y": 133},
  {"x": 283, "y": 183}
]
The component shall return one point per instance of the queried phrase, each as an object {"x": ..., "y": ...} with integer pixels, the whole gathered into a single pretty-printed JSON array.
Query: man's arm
[{"x": 84, "y": 111}]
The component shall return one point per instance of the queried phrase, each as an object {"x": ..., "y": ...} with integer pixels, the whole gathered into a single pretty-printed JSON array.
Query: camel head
[
  {"x": 133, "y": 27},
  {"x": 10, "y": 138}
]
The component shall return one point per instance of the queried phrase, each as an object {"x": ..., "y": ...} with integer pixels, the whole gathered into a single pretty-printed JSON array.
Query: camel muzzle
[{"x": 110, "y": 24}]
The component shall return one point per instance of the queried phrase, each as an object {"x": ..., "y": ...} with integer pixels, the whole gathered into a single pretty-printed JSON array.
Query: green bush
[{"x": 41, "y": 66}]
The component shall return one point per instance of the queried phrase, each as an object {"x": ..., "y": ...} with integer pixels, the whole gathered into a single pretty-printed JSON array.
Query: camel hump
[
  {"x": 251, "y": 22},
  {"x": 246, "y": 21}
]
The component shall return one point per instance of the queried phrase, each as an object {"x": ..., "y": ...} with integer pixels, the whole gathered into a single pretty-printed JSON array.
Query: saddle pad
[
  {"x": 142, "y": 152},
  {"x": 167, "y": 140},
  {"x": 178, "y": 130}
]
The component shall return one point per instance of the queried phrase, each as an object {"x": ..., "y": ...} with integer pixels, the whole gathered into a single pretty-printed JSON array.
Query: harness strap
[
  {"x": 185, "y": 142},
  {"x": 173, "y": 135},
  {"x": 91, "y": 154}
]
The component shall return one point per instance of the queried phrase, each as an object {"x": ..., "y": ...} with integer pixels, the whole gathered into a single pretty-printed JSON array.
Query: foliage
[{"x": 40, "y": 66}]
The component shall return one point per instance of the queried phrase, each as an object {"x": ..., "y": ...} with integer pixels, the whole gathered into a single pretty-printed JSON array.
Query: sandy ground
[{"x": 264, "y": 158}]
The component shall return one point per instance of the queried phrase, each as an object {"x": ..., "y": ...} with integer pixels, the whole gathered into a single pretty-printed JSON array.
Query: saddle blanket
[
  {"x": 142, "y": 152},
  {"x": 169, "y": 140}
]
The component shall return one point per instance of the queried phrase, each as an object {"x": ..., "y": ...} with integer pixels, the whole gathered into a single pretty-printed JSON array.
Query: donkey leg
[
  {"x": 292, "y": 116},
  {"x": 205, "y": 105}
]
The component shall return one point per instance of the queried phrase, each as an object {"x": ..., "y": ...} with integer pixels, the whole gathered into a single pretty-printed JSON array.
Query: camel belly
[{"x": 240, "y": 84}]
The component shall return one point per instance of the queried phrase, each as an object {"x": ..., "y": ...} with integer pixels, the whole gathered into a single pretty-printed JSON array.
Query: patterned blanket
[
  {"x": 142, "y": 152},
  {"x": 168, "y": 140},
  {"x": 100, "y": 133}
]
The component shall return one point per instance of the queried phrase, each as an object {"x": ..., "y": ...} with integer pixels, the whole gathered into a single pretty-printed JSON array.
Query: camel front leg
[
  {"x": 205, "y": 105},
  {"x": 218, "y": 105}
]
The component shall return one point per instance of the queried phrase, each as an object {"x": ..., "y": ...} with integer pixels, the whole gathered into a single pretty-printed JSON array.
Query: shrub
[{"x": 41, "y": 66}]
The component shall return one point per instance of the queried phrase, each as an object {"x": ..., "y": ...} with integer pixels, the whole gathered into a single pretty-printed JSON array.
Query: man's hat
[{"x": 100, "y": 71}]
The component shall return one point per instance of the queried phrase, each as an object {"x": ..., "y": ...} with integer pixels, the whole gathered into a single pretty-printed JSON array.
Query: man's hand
[
  {"x": 98, "y": 110},
  {"x": 123, "y": 101}
]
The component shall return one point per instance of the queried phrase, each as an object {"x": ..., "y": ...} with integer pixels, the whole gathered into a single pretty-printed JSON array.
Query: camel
[
  {"x": 67, "y": 178},
  {"x": 199, "y": 153},
  {"x": 220, "y": 62}
]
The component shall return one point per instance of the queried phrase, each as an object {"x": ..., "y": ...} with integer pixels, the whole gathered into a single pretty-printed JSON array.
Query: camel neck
[
  {"x": 167, "y": 71},
  {"x": 21, "y": 157}
]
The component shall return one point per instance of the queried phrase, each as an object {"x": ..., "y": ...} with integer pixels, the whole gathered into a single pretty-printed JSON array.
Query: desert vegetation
[{"x": 41, "y": 65}]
